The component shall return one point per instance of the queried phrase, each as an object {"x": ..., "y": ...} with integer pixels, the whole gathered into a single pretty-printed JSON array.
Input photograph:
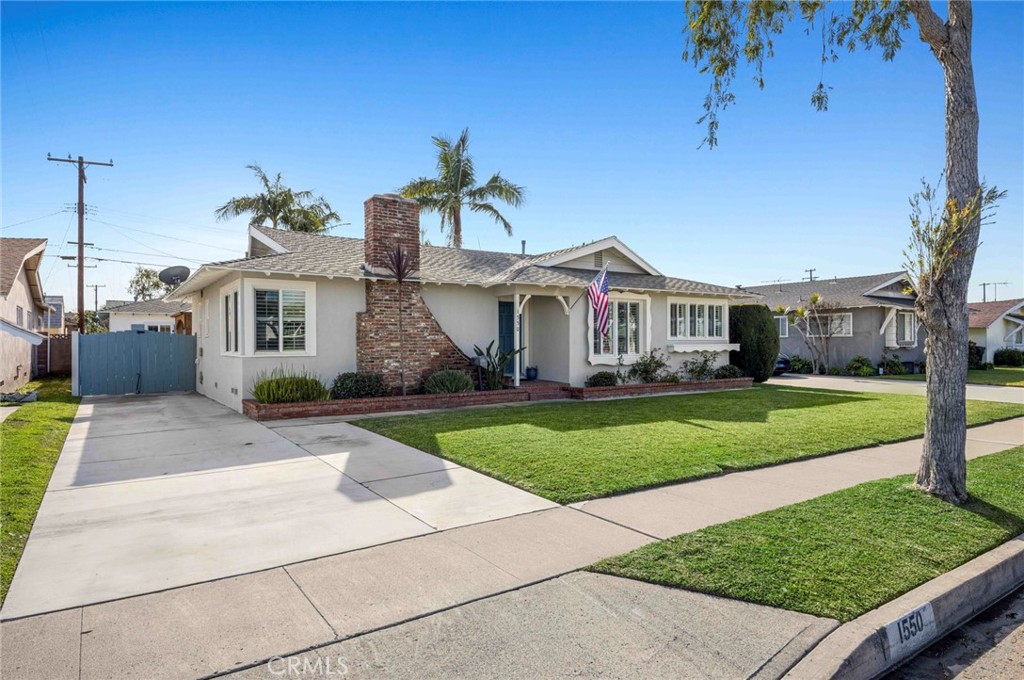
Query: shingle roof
[
  {"x": 151, "y": 307},
  {"x": 13, "y": 252},
  {"x": 320, "y": 255},
  {"x": 847, "y": 292},
  {"x": 983, "y": 314}
]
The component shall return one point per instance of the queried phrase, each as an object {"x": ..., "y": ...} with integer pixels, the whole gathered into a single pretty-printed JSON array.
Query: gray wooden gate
[{"x": 133, "y": 362}]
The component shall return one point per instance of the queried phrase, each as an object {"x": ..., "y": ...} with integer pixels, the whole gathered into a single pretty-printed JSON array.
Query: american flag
[{"x": 597, "y": 292}]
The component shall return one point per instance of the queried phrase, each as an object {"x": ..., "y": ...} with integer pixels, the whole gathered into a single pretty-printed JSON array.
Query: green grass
[
  {"x": 1003, "y": 375},
  {"x": 845, "y": 553},
  {"x": 574, "y": 451},
  {"x": 30, "y": 442}
]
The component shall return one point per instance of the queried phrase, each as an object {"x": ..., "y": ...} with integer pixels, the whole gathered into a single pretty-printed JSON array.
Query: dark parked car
[{"x": 782, "y": 365}]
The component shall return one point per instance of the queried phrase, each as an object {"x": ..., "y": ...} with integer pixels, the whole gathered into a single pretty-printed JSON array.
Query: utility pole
[
  {"x": 81, "y": 163},
  {"x": 96, "y": 295},
  {"x": 810, "y": 274}
]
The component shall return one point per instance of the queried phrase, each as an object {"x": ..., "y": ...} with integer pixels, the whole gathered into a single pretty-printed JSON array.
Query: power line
[
  {"x": 150, "y": 219},
  {"x": 173, "y": 238},
  {"x": 34, "y": 219},
  {"x": 136, "y": 252},
  {"x": 63, "y": 242}
]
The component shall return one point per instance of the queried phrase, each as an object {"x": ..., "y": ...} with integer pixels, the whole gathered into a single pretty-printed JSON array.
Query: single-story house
[
  {"x": 328, "y": 304},
  {"x": 873, "y": 316},
  {"x": 150, "y": 315},
  {"x": 996, "y": 325},
  {"x": 22, "y": 307},
  {"x": 53, "y": 320}
]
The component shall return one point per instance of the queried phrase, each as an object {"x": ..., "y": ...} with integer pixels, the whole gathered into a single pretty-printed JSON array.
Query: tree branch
[{"x": 931, "y": 27}]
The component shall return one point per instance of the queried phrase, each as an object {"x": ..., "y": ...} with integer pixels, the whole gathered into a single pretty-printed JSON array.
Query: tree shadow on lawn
[{"x": 1005, "y": 519}]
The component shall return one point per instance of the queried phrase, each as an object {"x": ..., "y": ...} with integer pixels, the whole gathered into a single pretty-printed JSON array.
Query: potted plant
[{"x": 531, "y": 372}]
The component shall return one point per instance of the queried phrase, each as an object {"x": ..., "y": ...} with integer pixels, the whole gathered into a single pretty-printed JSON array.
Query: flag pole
[{"x": 587, "y": 287}]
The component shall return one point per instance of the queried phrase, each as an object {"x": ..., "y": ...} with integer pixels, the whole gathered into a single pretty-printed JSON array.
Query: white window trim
[
  {"x": 206, "y": 318},
  {"x": 247, "y": 326},
  {"x": 810, "y": 317},
  {"x": 912, "y": 341},
  {"x": 645, "y": 330},
  {"x": 222, "y": 308},
  {"x": 703, "y": 339},
  {"x": 785, "y": 325}
]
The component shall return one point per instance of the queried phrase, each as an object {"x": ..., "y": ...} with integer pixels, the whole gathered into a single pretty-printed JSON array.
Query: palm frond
[
  {"x": 498, "y": 187},
  {"x": 488, "y": 209}
]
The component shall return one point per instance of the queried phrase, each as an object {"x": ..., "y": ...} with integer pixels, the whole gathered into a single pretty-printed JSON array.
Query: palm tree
[
  {"x": 455, "y": 187},
  {"x": 283, "y": 207}
]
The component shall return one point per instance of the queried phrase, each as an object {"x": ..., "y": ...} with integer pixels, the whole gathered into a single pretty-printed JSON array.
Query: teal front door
[{"x": 506, "y": 330}]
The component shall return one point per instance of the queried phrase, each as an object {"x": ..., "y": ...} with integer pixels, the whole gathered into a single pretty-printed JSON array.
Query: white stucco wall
[
  {"x": 227, "y": 378},
  {"x": 468, "y": 314},
  {"x": 125, "y": 320}
]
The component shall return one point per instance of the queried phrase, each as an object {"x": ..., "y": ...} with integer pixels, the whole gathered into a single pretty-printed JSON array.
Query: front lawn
[
  {"x": 30, "y": 442},
  {"x": 1004, "y": 375},
  {"x": 845, "y": 553},
  {"x": 575, "y": 451}
]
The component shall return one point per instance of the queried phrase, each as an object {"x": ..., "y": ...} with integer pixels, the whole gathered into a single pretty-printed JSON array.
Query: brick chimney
[{"x": 390, "y": 220}]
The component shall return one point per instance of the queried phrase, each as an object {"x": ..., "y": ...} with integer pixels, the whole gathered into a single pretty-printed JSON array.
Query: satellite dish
[{"x": 173, "y": 276}]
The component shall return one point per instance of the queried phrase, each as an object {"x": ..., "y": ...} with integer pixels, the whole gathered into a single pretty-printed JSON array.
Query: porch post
[{"x": 515, "y": 338}]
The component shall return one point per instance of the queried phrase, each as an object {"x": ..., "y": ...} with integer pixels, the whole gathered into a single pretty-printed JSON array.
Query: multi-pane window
[
  {"x": 782, "y": 323},
  {"x": 624, "y": 330},
  {"x": 830, "y": 325},
  {"x": 696, "y": 320},
  {"x": 20, "y": 313},
  {"x": 280, "y": 320}
]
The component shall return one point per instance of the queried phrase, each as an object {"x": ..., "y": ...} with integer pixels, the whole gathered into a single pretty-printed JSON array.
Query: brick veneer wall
[
  {"x": 392, "y": 220},
  {"x": 657, "y": 388}
]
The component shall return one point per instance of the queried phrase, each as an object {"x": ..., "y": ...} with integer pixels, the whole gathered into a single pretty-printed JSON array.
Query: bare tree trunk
[
  {"x": 943, "y": 470},
  {"x": 457, "y": 228}
]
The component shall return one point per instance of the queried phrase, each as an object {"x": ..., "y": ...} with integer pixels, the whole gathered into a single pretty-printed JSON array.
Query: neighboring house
[
  {"x": 995, "y": 325},
  {"x": 53, "y": 319},
  {"x": 148, "y": 315},
  {"x": 874, "y": 316},
  {"x": 326, "y": 303},
  {"x": 21, "y": 309}
]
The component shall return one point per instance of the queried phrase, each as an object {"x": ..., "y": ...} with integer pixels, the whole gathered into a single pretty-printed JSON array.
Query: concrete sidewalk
[
  {"x": 223, "y": 625},
  {"x": 1010, "y": 395}
]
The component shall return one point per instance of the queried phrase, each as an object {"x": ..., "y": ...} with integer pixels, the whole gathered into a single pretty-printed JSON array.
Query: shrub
[
  {"x": 835, "y": 370},
  {"x": 974, "y": 355},
  {"x": 800, "y": 365},
  {"x": 860, "y": 365},
  {"x": 358, "y": 386},
  {"x": 728, "y": 371},
  {"x": 1008, "y": 357},
  {"x": 700, "y": 368},
  {"x": 892, "y": 365},
  {"x": 602, "y": 379},
  {"x": 649, "y": 367},
  {"x": 753, "y": 327},
  {"x": 448, "y": 381},
  {"x": 987, "y": 366},
  {"x": 287, "y": 386}
]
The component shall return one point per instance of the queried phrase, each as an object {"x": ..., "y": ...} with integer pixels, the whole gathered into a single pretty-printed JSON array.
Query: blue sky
[{"x": 587, "y": 105}]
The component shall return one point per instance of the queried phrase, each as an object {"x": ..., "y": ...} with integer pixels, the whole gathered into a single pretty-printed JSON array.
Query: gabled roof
[
  {"x": 984, "y": 314},
  {"x": 18, "y": 253},
  {"x": 342, "y": 257},
  {"x": 110, "y": 304},
  {"x": 151, "y": 307},
  {"x": 855, "y": 291}
]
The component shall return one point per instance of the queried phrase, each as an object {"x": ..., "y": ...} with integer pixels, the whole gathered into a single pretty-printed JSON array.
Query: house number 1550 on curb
[{"x": 911, "y": 631}]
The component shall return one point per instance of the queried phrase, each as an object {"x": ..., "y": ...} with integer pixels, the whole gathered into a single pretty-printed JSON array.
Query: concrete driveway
[
  {"x": 1011, "y": 395},
  {"x": 155, "y": 492}
]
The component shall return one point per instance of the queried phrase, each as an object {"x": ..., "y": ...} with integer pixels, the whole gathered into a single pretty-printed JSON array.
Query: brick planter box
[
  {"x": 586, "y": 393},
  {"x": 354, "y": 407},
  {"x": 414, "y": 402}
]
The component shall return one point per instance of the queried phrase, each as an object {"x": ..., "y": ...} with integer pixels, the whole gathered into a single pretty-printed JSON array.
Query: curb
[{"x": 875, "y": 642}]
